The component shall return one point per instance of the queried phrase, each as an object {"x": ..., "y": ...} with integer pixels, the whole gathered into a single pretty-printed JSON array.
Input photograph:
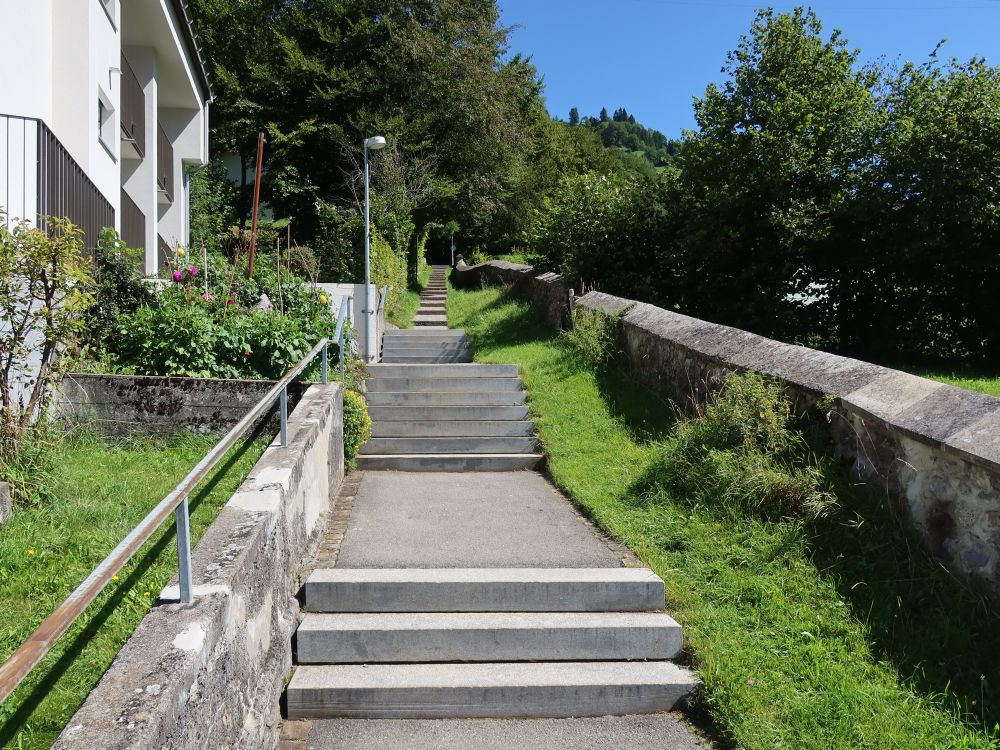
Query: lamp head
[{"x": 375, "y": 143}]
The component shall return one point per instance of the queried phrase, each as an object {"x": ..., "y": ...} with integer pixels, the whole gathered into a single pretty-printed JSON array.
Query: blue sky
[{"x": 653, "y": 56}]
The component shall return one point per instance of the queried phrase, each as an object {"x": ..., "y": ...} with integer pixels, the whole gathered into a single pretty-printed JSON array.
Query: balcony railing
[
  {"x": 40, "y": 179},
  {"x": 133, "y": 223},
  {"x": 164, "y": 164},
  {"x": 133, "y": 117}
]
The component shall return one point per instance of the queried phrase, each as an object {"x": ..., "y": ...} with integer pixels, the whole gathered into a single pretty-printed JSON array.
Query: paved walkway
[{"x": 386, "y": 519}]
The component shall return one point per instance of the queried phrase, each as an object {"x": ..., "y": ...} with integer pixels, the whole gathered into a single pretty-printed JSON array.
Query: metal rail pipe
[{"x": 33, "y": 650}]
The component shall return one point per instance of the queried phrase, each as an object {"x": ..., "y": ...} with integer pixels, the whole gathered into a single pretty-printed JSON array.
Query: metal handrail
[
  {"x": 33, "y": 650},
  {"x": 382, "y": 297}
]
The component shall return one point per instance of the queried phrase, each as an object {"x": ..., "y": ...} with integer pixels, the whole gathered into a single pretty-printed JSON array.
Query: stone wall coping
[{"x": 953, "y": 419}]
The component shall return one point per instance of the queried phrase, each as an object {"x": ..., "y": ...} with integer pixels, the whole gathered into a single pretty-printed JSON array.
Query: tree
[
  {"x": 768, "y": 183},
  {"x": 604, "y": 114},
  {"x": 45, "y": 287},
  {"x": 574, "y": 116}
]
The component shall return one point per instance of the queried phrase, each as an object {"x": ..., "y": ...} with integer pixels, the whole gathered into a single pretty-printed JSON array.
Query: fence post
[
  {"x": 184, "y": 551},
  {"x": 326, "y": 359},
  {"x": 572, "y": 306},
  {"x": 283, "y": 409},
  {"x": 343, "y": 337}
]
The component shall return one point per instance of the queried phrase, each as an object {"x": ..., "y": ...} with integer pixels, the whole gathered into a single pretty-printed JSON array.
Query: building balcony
[
  {"x": 133, "y": 114},
  {"x": 164, "y": 166}
]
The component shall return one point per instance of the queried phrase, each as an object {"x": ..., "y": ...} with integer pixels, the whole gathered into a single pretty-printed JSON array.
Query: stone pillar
[{"x": 6, "y": 504}]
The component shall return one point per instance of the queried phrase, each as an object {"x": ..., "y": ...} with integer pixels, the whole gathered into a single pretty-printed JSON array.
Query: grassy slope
[
  {"x": 990, "y": 386},
  {"x": 402, "y": 317},
  {"x": 831, "y": 636},
  {"x": 97, "y": 495}
]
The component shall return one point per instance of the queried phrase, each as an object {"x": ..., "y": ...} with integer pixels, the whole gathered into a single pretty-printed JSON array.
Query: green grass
[
  {"x": 402, "y": 316},
  {"x": 987, "y": 385},
  {"x": 96, "y": 493},
  {"x": 838, "y": 633}
]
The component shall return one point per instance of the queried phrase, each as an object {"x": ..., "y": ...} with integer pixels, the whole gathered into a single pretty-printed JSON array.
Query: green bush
[
  {"x": 119, "y": 286},
  {"x": 357, "y": 425},
  {"x": 594, "y": 337},
  {"x": 743, "y": 454},
  {"x": 478, "y": 256}
]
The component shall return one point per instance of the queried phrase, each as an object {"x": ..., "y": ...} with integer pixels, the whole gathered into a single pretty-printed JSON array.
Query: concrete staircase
[
  {"x": 432, "y": 301},
  {"x": 512, "y": 642},
  {"x": 447, "y": 417},
  {"x": 433, "y": 410}
]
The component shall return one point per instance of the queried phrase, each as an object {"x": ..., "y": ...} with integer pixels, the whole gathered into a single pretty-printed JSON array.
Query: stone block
[{"x": 6, "y": 503}]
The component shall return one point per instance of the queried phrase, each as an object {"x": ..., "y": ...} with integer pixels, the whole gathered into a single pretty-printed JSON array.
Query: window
[
  {"x": 110, "y": 8},
  {"x": 106, "y": 124}
]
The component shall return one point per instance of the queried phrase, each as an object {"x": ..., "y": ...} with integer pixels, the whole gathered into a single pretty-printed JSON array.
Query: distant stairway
[
  {"x": 447, "y": 417},
  {"x": 439, "y": 643}
]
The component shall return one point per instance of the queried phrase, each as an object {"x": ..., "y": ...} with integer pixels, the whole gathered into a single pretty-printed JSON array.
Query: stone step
[
  {"x": 554, "y": 689},
  {"x": 447, "y": 398},
  {"x": 399, "y": 446},
  {"x": 455, "y": 462},
  {"x": 409, "y": 332},
  {"x": 467, "y": 428},
  {"x": 426, "y": 359},
  {"x": 366, "y": 638},
  {"x": 447, "y": 413},
  {"x": 483, "y": 590},
  {"x": 418, "y": 348},
  {"x": 430, "y": 319},
  {"x": 425, "y": 385},
  {"x": 378, "y": 372}
]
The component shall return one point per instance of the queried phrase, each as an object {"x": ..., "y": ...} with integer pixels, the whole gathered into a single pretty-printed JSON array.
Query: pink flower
[
  {"x": 230, "y": 302},
  {"x": 192, "y": 270},
  {"x": 207, "y": 297},
  {"x": 178, "y": 276}
]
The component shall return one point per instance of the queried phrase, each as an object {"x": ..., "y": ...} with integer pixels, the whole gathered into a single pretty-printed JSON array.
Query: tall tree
[{"x": 574, "y": 116}]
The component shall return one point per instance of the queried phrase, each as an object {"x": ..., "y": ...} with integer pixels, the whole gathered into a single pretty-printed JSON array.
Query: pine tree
[{"x": 574, "y": 116}]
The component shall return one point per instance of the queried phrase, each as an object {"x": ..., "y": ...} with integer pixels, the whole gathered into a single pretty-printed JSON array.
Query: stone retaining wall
[
  {"x": 210, "y": 674},
  {"x": 120, "y": 404},
  {"x": 933, "y": 447},
  {"x": 548, "y": 291}
]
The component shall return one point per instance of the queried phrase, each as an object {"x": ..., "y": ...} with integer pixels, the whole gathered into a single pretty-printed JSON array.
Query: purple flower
[
  {"x": 178, "y": 276},
  {"x": 192, "y": 270}
]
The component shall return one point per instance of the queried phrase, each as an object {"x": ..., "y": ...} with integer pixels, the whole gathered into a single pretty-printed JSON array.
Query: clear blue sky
[{"x": 653, "y": 56}]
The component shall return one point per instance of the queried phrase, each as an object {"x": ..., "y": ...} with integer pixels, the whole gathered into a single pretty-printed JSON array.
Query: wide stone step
[
  {"x": 442, "y": 371},
  {"x": 467, "y": 428},
  {"x": 410, "y": 332},
  {"x": 425, "y": 347},
  {"x": 454, "y": 462},
  {"x": 427, "y": 359},
  {"x": 468, "y": 444},
  {"x": 487, "y": 690},
  {"x": 365, "y": 638},
  {"x": 425, "y": 385},
  {"x": 484, "y": 590},
  {"x": 430, "y": 320},
  {"x": 445, "y": 398},
  {"x": 447, "y": 413}
]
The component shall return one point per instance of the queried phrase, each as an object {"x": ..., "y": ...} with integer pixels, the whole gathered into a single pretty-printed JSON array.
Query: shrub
[
  {"x": 478, "y": 256},
  {"x": 594, "y": 337},
  {"x": 119, "y": 286},
  {"x": 742, "y": 454},
  {"x": 45, "y": 288},
  {"x": 357, "y": 425}
]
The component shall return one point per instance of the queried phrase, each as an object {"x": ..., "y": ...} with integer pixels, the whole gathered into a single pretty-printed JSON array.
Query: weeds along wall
[{"x": 932, "y": 447}]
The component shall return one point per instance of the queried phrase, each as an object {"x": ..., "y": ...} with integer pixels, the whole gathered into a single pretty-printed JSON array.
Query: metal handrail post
[
  {"x": 326, "y": 360},
  {"x": 283, "y": 408},
  {"x": 182, "y": 519}
]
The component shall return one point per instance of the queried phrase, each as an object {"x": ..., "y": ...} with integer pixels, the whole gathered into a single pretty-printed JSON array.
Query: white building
[{"x": 102, "y": 105}]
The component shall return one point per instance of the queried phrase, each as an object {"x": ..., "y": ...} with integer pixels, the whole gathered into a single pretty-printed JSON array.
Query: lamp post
[{"x": 374, "y": 143}]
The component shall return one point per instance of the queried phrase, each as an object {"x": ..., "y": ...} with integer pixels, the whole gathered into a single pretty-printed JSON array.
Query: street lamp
[{"x": 374, "y": 143}]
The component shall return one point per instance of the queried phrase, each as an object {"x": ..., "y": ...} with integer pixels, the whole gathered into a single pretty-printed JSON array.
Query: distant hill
[{"x": 621, "y": 131}]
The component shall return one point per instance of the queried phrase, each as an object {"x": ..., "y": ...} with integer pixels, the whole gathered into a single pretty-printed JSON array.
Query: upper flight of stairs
[
  {"x": 515, "y": 642},
  {"x": 432, "y": 301},
  {"x": 433, "y": 410}
]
